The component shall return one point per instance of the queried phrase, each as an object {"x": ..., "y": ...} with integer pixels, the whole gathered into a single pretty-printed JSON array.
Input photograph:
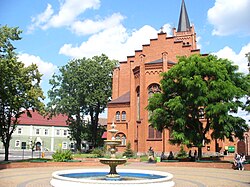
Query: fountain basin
[
  {"x": 96, "y": 178},
  {"x": 110, "y": 161}
]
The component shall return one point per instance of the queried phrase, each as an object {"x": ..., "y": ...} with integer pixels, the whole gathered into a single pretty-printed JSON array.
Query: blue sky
[{"x": 55, "y": 31}]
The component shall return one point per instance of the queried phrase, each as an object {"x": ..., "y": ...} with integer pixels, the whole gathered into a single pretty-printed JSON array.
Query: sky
[{"x": 56, "y": 31}]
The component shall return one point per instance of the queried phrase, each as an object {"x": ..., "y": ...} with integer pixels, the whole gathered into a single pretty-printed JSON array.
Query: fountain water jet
[{"x": 125, "y": 178}]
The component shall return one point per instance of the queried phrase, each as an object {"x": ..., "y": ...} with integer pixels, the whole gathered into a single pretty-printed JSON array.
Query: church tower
[
  {"x": 185, "y": 32},
  {"x": 137, "y": 78}
]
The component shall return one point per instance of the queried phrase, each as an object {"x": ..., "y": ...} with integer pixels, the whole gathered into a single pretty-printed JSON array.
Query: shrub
[
  {"x": 182, "y": 153},
  {"x": 62, "y": 155},
  {"x": 98, "y": 151},
  {"x": 128, "y": 151}
]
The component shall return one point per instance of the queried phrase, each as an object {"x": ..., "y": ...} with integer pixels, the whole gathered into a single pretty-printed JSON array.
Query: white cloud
[
  {"x": 46, "y": 68},
  {"x": 90, "y": 27},
  {"x": 69, "y": 11},
  {"x": 230, "y": 17},
  {"x": 41, "y": 18},
  {"x": 116, "y": 42},
  {"x": 239, "y": 59}
]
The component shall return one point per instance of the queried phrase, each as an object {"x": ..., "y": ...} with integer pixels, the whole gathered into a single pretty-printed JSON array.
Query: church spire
[{"x": 184, "y": 24}]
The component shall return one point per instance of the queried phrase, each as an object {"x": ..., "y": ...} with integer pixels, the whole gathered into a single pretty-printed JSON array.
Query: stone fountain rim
[{"x": 167, "y": 176}]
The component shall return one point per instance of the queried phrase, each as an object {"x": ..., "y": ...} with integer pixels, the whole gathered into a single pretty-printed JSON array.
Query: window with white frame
[
  {"x": 19, "y": 130},
  {"x": 117, "y": 116},
  {"x": 58, "y": 132},
  {"x": 122, "y": 137},
  {"x": 46, "y": 131},
  {"x": 65, "y": 132},
  {"x": 37, "y": 131},
  {"x": 17, "y": 143},
  {"x": 123, "y": 116},
  {"x": 64, "y": 145}
]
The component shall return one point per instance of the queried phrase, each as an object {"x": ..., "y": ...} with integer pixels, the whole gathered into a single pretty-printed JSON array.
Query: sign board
[
  {"x": 23, "y": 145},
  {"x": 231, "y": 149}
]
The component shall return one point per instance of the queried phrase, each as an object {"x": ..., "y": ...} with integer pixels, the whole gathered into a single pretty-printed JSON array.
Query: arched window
[
  {"x": 121, "y": 136},
  {"x": 124, "y": 139},
  {"x": 153, "y": 88},
  {"x": 117, "y": 116},
  {"x": 117, "y": 137},
  {"x": 123, "y": 116},
  {"x": 153, "y": 133}
]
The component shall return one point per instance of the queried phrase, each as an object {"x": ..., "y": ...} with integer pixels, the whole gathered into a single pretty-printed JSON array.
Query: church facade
[{"x": 138, "y": 77}]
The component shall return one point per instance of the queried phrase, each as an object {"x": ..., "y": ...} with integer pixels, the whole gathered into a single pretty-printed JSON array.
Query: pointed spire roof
[{"x": 184, "y": 24}]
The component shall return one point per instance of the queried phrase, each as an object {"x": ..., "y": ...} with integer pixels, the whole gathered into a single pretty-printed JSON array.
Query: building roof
[
  {"x": 184, "y": 24},
  {"x": 104, "y": 135},
  {"x": 37, "y": 119},
  {"x": 102, "y": 121},
  {"x": 122, "y": 99}
]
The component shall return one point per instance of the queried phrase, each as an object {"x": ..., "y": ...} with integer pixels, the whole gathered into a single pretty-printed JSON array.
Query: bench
[
  {"x": 170, "y": 161},
  {"x": 205, "y": 161},
  {"x": 38, "y": 161}
]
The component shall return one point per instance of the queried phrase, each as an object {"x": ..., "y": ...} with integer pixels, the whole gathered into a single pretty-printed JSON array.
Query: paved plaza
[{"x": 183, "y": 176}]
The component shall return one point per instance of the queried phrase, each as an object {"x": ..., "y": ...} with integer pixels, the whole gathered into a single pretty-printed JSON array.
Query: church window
[
  {"x": 121, "y": 136},
  {"x": 123, "y": 116},
  {"x": 153, "y": 133},
  {"x": 138, "y": 103},
  {"x": 117, "y": 116}
]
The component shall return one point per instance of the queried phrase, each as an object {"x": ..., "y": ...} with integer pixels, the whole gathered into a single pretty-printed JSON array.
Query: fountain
[
  {"x": 100, "y": 177},
  {"x": 113, "y": 161}
]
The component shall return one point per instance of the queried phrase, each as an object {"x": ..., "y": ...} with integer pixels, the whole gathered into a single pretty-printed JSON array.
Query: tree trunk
[
  {"x": 6, "y": 148},
  {"x": 78, "y": 145},
  {"x": 199, "y": 153}
]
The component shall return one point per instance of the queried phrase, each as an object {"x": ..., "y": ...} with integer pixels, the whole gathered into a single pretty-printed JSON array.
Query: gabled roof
[
  {"x": 122, "y": 99},
  {"x": 184, "y": 24},
  {"x": 37, "y": 119}
]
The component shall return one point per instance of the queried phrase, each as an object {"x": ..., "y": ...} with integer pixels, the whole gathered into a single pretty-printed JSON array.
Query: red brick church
[{"x": 138, "y": 77}]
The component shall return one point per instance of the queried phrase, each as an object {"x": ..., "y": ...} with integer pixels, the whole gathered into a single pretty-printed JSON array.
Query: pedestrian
[
  {"x": 195, "y": 155},
  {"x": 151, "y": 155},
  {"x": 171, "y": 156},
  {"x": 242, "y": 159},
  {"x": 235, "y": 160}
]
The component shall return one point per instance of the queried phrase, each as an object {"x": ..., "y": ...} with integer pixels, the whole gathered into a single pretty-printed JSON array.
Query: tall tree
[
  {"x": 19, "y": 86},
  {"x": 200, "y": 87},
  {"x": 83, "y": 87}
]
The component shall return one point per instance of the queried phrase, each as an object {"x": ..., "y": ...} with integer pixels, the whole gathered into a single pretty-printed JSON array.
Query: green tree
[
  {"x": 200, "y": 87},
  {"x": 128, "y": 152},
  {"x": 19, "y": 86},
  {"x": 83, "y": 87}
]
